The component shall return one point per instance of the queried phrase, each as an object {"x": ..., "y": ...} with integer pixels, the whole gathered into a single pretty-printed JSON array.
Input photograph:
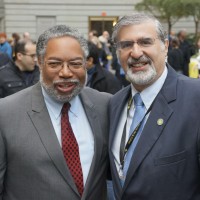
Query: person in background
[
  {"x": 53, "y": 135},
  {"x": 194, "y": 65},
  {"x": 119, "y": 72},
  {"x": 92, "y": 34},
  {"x": 185, "y": 47},
  {"x": 171, "y": 35},
  {"x": 5, "y": 46},
  {"x": 92, "y": 37},
  {"x": 154, "y": 139},
  {"x": 197, "y": 50},
  {"x": 26, "y": 35},
  {"x": 98, "y": 77},
  {"x": 106, "y": 45},
  {"x": 15, "y": 39},
  {"x": 175, "y": 56},
  {"x": 21, "y": 73}
]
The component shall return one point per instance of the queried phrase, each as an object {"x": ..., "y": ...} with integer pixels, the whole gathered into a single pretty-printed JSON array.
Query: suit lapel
[
  {"x": 98, "y": 143},
  {"x": 152, "y": 130},
  {"x": 42, "y": 122}
]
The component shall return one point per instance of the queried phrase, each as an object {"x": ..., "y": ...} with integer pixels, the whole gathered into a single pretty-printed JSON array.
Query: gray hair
[
  {"x": 56, "y": 32},
  {"x": 138, "y": 18}
]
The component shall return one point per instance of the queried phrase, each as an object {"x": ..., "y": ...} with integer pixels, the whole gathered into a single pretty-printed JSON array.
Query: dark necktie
[{"x": 70, "y": 149}]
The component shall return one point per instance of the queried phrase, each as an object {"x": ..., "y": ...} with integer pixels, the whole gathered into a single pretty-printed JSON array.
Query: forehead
[
  {"x": 136, "y": 31},
  {"x": 63, "y": 45},
  {"x": 30, "y": 47}
]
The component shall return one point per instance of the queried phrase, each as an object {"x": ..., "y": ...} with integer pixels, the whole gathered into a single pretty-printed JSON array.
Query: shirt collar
[
  {"x": 149, "y": 94},
  {"x": 56, "y": 106}
]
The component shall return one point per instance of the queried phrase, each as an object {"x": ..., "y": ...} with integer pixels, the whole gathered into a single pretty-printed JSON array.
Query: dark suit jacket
[
  {"x": 104, "y": 81},
  {"x": 166, "y": 162},
  {"x": 32, "y": 165}
]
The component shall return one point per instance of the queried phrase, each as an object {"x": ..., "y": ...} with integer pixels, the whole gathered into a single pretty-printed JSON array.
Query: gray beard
[
  {"x": 142, "y": 77},
  {"x": 50, "y": 90}
]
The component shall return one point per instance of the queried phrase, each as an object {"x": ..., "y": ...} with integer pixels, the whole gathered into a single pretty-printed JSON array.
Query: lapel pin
[{"x": 160, "y": 122}]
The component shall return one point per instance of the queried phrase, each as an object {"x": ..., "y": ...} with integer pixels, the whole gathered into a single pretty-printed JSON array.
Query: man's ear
[
  {"x": 18, "y": 56},
  {"x": 166, "y": 47}
]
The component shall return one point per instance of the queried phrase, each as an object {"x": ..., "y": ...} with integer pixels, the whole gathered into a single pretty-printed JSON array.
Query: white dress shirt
[
  {"x": 80, "y": 126},
  {"x": 148, "y": 95}
]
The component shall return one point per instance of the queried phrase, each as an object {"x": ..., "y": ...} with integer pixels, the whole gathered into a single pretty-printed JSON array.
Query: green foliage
[{"x": 171, "y": 11}]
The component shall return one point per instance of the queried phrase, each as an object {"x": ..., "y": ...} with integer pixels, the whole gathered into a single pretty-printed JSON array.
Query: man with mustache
[
  {"x": 154, "y": 140},
  {"x": 53, "y": 135}
]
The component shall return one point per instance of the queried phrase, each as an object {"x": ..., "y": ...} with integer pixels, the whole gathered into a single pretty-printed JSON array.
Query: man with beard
[
  {"x": 53, "y": 135},
  {"x": 154, "y": 138}
]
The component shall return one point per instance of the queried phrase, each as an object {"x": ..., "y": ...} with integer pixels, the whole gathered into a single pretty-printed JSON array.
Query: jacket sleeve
[
  {"x": 2, "y": 165},
  {"x": 1, "y": 92}
]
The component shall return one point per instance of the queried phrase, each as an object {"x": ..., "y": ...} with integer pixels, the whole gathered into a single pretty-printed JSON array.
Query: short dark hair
[
  {"x": 174, "y": 42},
  {"x": 20, "y": 46},
  {"x": 93, "y": 52}
]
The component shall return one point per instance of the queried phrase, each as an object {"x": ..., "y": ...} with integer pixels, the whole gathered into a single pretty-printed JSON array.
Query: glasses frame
[
  {"x": 33, "y": 56},
  {"x": 72, "y": 68},
  {"x": 118, "y": 45}
]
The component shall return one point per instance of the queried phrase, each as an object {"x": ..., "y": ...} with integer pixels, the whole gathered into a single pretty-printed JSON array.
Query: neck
[{"x": 19, "y": 66}]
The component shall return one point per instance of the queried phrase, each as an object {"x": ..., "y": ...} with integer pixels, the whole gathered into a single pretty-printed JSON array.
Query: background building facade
[{"x": 34, "y": 16}]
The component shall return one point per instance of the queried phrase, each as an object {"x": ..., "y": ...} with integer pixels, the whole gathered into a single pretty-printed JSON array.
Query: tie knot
[
  {"x": 66, "y": 107},
  {"x": 138, "y": 100}
]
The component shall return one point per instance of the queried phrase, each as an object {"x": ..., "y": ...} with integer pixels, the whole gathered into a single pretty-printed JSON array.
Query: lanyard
[{"x": 124, "y": 150}]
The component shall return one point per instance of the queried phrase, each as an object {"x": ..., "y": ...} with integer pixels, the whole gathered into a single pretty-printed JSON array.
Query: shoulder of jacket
[
  {"x": 2, "y": 67},
  {"x": 6, "y": 66}
]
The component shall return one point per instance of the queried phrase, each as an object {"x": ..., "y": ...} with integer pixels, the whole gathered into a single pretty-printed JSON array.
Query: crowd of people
[
  {"x": 181, "y": 52},
  {"x": 69, "y": 125}
]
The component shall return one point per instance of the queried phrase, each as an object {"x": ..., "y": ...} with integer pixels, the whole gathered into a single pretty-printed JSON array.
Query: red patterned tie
[{"x": 70, "y": 149}]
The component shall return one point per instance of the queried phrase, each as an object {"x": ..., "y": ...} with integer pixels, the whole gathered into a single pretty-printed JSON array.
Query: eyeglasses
[
  {"x": 33, "y": 56},
  {"x": 58, "y": 65},
  {"x": 142, "y": 42}
]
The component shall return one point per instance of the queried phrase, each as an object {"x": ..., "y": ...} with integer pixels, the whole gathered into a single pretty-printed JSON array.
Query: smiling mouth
[
  {"x": 138, "y": 64},
  {"x": 65, "y": 87}
]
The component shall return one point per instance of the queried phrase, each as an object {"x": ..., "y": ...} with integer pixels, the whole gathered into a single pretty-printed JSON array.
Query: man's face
[
  {"x": 63, "y": 73},
  {"x": 27, "y": 59},
  {"x": 2, "y": 40},
  {"x": 143, "y": 61}
]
